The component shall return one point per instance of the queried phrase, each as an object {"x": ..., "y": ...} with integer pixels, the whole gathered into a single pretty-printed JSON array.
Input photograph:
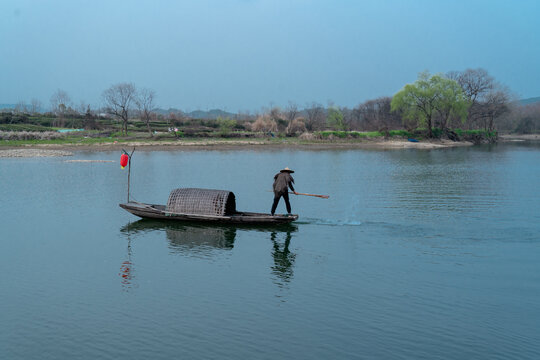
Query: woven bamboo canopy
[{"x": 202, "y": 202}]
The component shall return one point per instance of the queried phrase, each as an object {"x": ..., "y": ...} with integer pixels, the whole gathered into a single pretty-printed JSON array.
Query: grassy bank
[
  {"x": 25, "y": 135},
  {"x": 36, "y": 130},
  {"x": 29, "y": 138}
]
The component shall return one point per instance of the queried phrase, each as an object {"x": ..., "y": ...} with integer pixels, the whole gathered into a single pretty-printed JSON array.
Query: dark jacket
[{"x": 282, "y": 181}]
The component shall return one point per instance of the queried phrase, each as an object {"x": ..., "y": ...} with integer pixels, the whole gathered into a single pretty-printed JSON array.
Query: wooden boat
[{"x": 203, "y": 205}]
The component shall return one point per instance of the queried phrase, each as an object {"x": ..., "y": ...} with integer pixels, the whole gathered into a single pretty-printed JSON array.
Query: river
[{"x": 416, "y": 254}]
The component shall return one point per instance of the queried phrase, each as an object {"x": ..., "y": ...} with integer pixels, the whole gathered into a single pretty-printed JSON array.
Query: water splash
[{"x": 329, "y": 222}]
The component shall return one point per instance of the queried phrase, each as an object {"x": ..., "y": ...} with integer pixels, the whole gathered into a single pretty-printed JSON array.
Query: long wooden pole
[
  {"x": 319, "y": 196},
  {"x": 129, "y": 170}
]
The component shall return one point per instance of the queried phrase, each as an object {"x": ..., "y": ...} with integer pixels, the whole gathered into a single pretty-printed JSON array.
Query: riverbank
[
  {"x": 521, "y": 137},
  {"x": 41, "y": 150},
  {"x": 67, "y": 149}
]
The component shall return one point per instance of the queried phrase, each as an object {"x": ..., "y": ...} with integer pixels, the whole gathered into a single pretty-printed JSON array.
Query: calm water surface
[{"x": 417, "y": 254}]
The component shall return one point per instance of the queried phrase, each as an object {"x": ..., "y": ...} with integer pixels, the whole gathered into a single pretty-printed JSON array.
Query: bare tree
[
  {"x": 315, "y": 116},
  {"x": 476, "y": 84},
  {"x": 277, "y": 116},
  {"x": 488, "y": 99},
  {"x": 35, "y": 106},
  {"x": 118, "y": 99},
  {"x": 356, "y": 119},
  {"x": 60, "y": 97},
  {"x": 495, "y": 104},
  {"x": 291, "y": 112},
  {"x": 524, "y": 119},
  {"x": 348, "y": 117},
  {"x": 60, "y": 102},
  {"x": 369, "y": 115},
  {"x": 275, "y": 113},
  {"x": 21, "y": 108},
  {"x": 145, "y": 103},
  {"x": 83, "y": 106},
  {"x": 376, "y": 114}
]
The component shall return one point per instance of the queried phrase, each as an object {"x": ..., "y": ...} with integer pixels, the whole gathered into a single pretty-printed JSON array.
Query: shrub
[
  {"x": 30, "y": 135},
  {"x": 296, "y": 127},
  {"x": 436, "y": 132},
  {"x": 333, "y": 134},
  {"x": 403, "y": 133},
  {"x": 307, "y": 136},
  {"x": 264, "y": 124},
  {"x": 225, "y": 125}
]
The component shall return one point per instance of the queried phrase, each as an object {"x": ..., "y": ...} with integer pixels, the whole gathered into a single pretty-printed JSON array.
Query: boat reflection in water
[
  {"x": 206, "y": 241},
  {"x": 196, "y": 238}
]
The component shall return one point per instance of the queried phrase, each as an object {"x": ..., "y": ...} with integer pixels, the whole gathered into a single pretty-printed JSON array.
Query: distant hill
[
  {"x": 167, "y": 111},
  {"x": 211, "y": 114},
  {"x": 199, "y": 114},
  {"x": 530, "y": 101}
]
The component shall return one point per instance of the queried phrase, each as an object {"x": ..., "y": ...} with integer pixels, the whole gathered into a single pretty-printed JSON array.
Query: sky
[{"x": 247, "y": 55}]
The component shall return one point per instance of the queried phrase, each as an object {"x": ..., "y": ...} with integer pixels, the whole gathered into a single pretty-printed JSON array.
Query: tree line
[{"x": 436, "y": 104}]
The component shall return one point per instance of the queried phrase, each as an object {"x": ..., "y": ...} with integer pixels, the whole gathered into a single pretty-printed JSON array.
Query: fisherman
[{"x": 282, "y": 182}]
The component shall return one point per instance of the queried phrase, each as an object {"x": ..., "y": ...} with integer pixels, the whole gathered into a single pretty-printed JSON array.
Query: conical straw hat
[{"x": 287, "y": 170}]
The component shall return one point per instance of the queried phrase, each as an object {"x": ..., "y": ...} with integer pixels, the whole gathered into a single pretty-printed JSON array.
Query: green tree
[
  {"x": 428, "y": 97},
  {"x": 335, "y": 118},
  {"x": 225, "y": 125},
  {"x": 451, "y": 101}
]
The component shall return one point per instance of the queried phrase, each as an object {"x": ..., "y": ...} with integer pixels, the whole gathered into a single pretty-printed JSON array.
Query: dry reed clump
[
  {"x": 296, "y": 127},
  {"x": 264, "y": 124},
  {"x": 30, "y": 135},
  {"x": 307, "y": 136}
]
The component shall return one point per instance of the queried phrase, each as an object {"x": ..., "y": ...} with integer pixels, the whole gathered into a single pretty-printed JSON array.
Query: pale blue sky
[{"x": 248, "y": 54}]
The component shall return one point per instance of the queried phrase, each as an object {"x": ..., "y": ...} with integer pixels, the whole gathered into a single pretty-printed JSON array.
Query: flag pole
[{"x": 129, "y": 170}]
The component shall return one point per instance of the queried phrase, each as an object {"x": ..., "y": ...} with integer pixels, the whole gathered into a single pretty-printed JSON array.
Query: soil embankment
[
  {"x": 521, "y": 137},
  {"x": 46, "y": 150}
]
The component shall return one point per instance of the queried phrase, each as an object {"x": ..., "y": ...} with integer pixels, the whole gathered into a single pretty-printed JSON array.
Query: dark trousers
[{"x": 277, "y": 196}]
